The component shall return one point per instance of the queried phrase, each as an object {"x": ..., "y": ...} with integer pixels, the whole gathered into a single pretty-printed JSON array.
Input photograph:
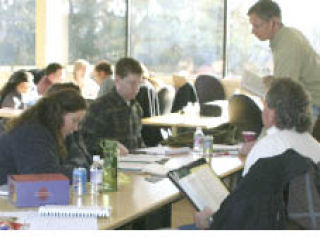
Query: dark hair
[
  {"x": 104, "y": 66},
  {"x": 49, "y": 112},
  {"x": 15, "y": 79},
  {"x": 61, "y": 86},
  {"x": 291, "y": 103},
  {"x": 126, "y": 66},
  {"x": 52, "y": 68},
  {"x": 265, "y": 9}
]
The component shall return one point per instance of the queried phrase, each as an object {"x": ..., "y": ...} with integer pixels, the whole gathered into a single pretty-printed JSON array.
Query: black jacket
[{"x": 258, "y": 201}]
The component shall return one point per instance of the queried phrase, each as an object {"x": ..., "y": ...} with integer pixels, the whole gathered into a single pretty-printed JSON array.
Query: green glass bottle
[{"x": 110, "y": 174}]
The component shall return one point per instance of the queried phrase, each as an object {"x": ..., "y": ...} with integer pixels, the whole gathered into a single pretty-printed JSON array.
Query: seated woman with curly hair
[{"x": 35, "y": 141}]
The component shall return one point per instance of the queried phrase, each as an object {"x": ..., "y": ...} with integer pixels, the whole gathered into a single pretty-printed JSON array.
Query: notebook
[
  {"x": 73, "y": 211},
  {"x": 200, "y": 185}
]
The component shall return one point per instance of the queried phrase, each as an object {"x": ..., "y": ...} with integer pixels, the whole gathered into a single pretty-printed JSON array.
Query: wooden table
[
  {"x": 176, "y": 120},
  {"x": 9, "y": 112},
  {"x": 135, "y": 197}
]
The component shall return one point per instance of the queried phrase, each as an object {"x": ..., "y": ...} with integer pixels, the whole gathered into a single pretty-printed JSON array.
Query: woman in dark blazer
[{"x": 35, "y": 142}]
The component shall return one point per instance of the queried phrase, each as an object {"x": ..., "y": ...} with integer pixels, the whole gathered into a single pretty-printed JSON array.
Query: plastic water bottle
[
  {"x": 96, "y": 174},
  {"x": 198, "y": 140}
]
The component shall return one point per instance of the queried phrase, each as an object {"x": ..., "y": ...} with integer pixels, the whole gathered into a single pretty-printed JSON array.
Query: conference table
[{"x": 137, "y": 196}]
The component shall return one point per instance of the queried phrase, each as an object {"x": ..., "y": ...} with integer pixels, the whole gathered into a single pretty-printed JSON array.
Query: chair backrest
[
  {"x": 209, "y": 89},
  {"x": 245, "y": 113},
  {"x": 148, "y": 100},
  {"x": 304, "y": 199},
  {"x": 316, "y": 129},
  {"x": 185, "y": 94},
  {"x": 166, "y": 97}
]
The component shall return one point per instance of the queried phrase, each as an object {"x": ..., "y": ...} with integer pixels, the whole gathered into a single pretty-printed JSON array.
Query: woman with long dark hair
[
  {"x": 11, "y": 93},
  {"x": 35, "y": 141}
]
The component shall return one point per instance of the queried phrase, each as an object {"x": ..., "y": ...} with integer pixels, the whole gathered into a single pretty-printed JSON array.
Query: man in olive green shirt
[{"x": 293, "y": 55}]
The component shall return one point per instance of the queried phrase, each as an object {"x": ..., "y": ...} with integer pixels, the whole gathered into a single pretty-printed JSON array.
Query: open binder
[{"x": 200, "y": 185}]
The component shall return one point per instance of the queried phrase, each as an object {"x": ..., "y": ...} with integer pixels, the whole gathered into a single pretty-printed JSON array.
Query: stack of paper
[
  {"x": 164, "y": 150},
  {"x": 138, "y": 162}
]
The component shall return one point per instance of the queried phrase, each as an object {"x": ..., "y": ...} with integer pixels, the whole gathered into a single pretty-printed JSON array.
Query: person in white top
[{"x": 287, "y": 118}]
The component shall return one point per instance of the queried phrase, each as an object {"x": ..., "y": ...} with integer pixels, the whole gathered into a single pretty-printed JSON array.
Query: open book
[
  {"x": 253, "y": 83},
  {"x": 200, "y": 185}
]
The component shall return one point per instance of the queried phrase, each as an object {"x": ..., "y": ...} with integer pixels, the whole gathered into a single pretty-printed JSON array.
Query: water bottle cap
[{"x": 96, "y": 158}]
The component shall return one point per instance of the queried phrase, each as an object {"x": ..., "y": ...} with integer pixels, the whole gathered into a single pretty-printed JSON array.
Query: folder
[{"x": 200, "y": 185}]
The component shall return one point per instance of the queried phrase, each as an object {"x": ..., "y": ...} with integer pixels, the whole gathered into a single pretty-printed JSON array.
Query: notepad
[{"x": 74, "y": 211}]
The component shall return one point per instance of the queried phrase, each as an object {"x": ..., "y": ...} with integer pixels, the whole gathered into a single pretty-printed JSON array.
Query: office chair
[{"x": 209, "y": 88}]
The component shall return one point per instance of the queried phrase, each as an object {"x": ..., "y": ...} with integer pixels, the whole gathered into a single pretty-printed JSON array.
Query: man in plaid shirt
[{"x": 116, "y": 115}]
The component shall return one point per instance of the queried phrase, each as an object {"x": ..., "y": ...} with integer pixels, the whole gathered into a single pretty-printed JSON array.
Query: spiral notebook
[
  {"x": 200, "y": 185},
  {"x": 74, "y": 211}
]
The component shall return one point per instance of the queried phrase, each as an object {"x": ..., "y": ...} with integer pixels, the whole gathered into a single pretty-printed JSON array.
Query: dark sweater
[{"x": 31, "y": 148}]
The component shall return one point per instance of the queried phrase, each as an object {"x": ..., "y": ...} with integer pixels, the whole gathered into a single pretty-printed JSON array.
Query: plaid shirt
[{"x": 110, "y": 117}]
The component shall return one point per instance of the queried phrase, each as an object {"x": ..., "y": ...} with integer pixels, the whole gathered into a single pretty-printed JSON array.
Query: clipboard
[{"x": 199, "y": 184}]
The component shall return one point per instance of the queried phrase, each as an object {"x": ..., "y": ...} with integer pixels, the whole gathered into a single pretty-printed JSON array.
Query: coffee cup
[{"x": 248, "y": 136}]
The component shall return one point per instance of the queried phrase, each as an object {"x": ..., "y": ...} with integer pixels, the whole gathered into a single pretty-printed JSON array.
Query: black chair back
[{"x": 209, "y": 89}]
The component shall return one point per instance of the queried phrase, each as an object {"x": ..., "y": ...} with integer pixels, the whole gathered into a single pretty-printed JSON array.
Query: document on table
[
  {"x": 140, "y": 158},
  {"x": 222, "y": 165},
  {"x": 163, "y": 150}
]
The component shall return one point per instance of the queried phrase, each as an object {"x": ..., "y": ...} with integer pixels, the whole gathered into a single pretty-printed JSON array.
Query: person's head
[
  {"x": 61, "y": 86},
  {"x": 287, "y": 106},
  {"x": 102, "y": 70},
  {"x": 265, "y": 18},
  {"x": 60, "y": 112},
  {"x": 80, "y": 70},
  {"x": 18, "y": 81},
  {"x": 128, "y": 78},
  {"x": 54, "y": 72}
]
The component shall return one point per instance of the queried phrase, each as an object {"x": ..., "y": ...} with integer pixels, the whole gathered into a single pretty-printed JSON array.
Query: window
[
  {"x": 97, "y": 30},
  {"x": 178, "y": 36},
  {"x": 17, "y": 32},
  {"x": 245, "y": 51}
]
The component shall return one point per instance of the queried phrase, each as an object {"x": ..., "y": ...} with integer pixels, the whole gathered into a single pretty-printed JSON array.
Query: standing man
[
  {"x": 293, "y": 55},
  {"x": 116, "y": 115}
]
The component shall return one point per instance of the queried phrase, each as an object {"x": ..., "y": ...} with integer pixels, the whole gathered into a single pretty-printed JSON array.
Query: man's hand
[{"x": 201, "y": 218}]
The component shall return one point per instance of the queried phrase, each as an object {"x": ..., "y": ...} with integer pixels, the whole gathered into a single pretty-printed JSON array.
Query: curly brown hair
[
  {"x": 49, "y": 112},
  {"x": 291, "y": 103}
]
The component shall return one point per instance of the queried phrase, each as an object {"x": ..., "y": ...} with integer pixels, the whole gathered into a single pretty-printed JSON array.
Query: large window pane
[
  {"x": 243, "y": 49},
  {"x": 17, "y": 32},
  {"x": 97, "y": 29},
  {"x": 173, "y": 36}
]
